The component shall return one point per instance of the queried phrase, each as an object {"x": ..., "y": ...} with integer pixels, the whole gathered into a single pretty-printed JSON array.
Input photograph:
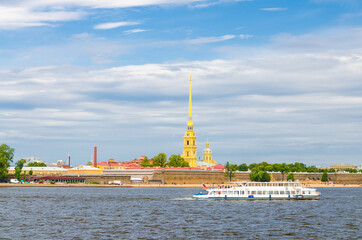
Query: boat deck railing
[{"x": 267, "y": 184}]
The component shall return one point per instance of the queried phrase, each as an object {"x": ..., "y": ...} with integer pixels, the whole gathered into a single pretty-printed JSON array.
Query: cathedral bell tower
[{"x": 189, "y": 148}]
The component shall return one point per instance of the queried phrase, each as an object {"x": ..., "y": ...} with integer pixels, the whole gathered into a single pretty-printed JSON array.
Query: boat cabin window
[
  {"x": 281, "y": 192},
  {"x": 264, "y": 192},
  {"x": 259, "y": 192},
  {"x": 276, "y": 192},
  {"x": 293, "y": 192},
  {"x": 303, "y": 192},
  {"x": 242, "y": 192},
  {"x": 287, "y": 192},
  {"x": 270, "y": 192}
]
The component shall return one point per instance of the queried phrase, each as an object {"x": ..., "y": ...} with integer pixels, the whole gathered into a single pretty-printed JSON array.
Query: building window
[
  {"x": 187, "y": 142},
  {"x": 194, "y": 142},
  {"x": 187, "y": 154}
]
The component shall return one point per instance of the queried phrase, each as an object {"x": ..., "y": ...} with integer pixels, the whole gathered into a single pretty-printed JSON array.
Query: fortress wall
[
  {"x": 217, "y": 177},
  {"x": 104, "y": 179},
  {"x": 182, "y": 177},
  {"x": 209, "y": 177},
  {"x": 340, "y": 178}
]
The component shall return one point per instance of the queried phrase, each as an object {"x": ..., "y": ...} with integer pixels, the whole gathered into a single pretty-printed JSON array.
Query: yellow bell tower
[
  {"x": 189, "y": 149},
  {"x": 207, "y": 154}
]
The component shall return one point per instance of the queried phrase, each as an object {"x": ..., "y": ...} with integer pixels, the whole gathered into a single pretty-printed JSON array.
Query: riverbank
[{"x": 315, "y": 185}]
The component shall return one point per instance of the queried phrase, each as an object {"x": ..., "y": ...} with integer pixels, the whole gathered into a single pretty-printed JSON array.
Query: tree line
[
  {"x": 161, "y": 160},
  {"x": 286, "y": 168},
  {"x": 260, "y": 171}
]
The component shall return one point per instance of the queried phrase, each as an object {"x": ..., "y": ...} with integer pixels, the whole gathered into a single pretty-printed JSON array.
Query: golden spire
[{"x": 190, "y": 103}]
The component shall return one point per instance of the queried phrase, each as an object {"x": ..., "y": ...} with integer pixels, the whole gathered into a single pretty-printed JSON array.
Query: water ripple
[{"x": 166, "y": 213}]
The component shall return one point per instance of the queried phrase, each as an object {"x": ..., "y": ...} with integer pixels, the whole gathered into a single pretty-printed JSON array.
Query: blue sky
[{"x": 276, "y": 81}]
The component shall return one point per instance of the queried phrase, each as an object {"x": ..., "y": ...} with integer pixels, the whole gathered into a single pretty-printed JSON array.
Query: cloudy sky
[{"x": 273, "y": 80}]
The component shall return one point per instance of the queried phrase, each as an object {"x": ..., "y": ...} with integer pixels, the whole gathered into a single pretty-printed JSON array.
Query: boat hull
[{"x": 251, "y": 197}]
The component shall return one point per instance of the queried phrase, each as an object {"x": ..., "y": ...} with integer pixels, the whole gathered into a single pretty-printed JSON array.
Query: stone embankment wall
[
  {"x": 105, "y": 179},
  {"x": 188, "y": 177},
  {"x": 101, "y": 179},
  {"x": 217, "y": 177}
]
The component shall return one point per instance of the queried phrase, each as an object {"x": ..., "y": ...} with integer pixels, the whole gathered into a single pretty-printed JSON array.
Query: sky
[{"x": 273, "y": 80}]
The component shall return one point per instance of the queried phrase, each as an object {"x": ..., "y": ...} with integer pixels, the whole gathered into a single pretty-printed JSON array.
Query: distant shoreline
[{"x": 315, "y": 185}]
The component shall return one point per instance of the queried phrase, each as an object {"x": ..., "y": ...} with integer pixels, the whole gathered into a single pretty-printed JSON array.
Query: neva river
[{"x": 170, "y": 213}]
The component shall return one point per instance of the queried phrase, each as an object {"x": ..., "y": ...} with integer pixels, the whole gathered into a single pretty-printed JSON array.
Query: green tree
[
  {"x": 255, "y": 176},
  {"x": 265, "y": 177},
  {"x": 324, "y": 177},
  {"x": 31, "y": 172},
  {"x": 89, "y": 163},
  {"x": 350, "y": 170},
  {"x": 284, "y": 169},
  {"x": 259, "y": 176},
  {"x": 174, "y": 160},
  {"x": 290, "y": 177},
  {"x": 160, "y": 160},
  {"x": 230, "y": 170},
  {"x": 20, "y": 163},
  {"x": 18, "y": 167},
  {"x": 24, "y": 176},
  {"x": 36, "y": 164},
  {"x": 18, "y": 173},
  {"x": 145, "y": 162},
  {"x": 177, "y": 161},
  {"x": 252, "y": 166},
  {"x": 312, "y": 169},
  {"x": 6, "y": 157},
  {"x": 243, "y": 167},
  {"x": 184, "y": 163}
]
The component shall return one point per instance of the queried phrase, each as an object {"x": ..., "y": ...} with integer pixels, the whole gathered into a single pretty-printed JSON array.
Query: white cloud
[
  {"x": 111, "y": 25},
  {"x": 276, "y": 104},
  {"x": 103, "y": 3},
  {"x": 33, "y": 13},
  {"x": 205, "y": 4},
  {"x": 245, "y": 36},
  {"x": 203, "y": 40},
  {"x": 16, "y": 17},
  {"x": 81, "y": 35},
  {"x": 137, "y": 30},
  {"x": 275, "y": 9}
]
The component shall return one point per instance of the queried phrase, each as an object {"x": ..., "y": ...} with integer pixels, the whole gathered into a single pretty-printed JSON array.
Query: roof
[
  {"x": 40, "y": 169},
  {"x": 58, "y": 178},
  {"x": 219, "y": 166}
]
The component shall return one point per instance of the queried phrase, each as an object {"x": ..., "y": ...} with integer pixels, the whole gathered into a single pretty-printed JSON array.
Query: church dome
[{"x": 207, "y": 150}]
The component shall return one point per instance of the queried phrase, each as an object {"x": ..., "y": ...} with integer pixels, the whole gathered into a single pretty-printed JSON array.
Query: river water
[{"x": 170, "y": 213}]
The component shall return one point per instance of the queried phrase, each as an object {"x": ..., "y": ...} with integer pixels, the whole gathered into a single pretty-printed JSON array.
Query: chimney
[
  {"x": 68, "y": 160},
  {"x": 95, "y": 157}
]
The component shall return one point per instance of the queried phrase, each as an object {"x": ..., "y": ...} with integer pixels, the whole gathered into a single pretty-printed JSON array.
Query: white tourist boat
[{"x": 259, "y": 190}]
